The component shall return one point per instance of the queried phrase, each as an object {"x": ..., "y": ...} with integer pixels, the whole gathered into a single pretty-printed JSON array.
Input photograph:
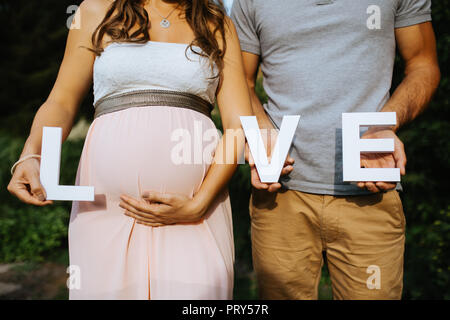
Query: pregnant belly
[{"x": 147, "y": 148}]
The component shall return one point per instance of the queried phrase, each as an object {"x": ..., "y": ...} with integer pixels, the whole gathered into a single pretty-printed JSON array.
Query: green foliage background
[{"x": 33, "y": 40}]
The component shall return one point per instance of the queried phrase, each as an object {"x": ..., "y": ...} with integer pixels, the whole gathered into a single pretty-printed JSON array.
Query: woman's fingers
[
  {"x": 26, "y": 185},
  {"x": 140, "y": 218},
  {"x": 139, "y": 208},
  {"x": 159, "y": 197},
  {"x": 145, "y": 212},
  {"x": 132, "y": 209},
  {"x": 153, "y": 220},
  {"x": 18, "y": 188},
  {"x": 24, "y": 195},
  {"x": 152, "y": 224},
  {"x": 137, "y": 204},
  {"x": 37, "y": 190}
]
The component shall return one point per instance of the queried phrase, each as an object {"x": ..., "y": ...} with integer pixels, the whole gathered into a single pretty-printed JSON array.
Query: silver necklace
[{"x": 165, "y": 23}]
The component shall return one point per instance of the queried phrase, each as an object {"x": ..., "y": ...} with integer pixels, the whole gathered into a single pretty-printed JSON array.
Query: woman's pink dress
[{"x": 132, "y": 150}]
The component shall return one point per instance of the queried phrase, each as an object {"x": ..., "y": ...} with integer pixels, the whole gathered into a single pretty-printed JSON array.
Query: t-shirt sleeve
[
  {"x": 411, "y": 12},
  {"x": 243, "y": 16}
]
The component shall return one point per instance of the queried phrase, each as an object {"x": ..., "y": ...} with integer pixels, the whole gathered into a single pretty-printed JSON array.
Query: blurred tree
[
  {"x": 32, "y": 48},
  {"x": 425, "y": 197}
]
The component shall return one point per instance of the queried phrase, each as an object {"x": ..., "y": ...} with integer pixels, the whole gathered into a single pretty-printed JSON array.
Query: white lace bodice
[{"x": 125, "y": 67}]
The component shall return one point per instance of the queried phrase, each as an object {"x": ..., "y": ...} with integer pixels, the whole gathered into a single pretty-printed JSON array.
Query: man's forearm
[
  {"x": 258, "y": 109},
  {"x": 413, "y": 94}
]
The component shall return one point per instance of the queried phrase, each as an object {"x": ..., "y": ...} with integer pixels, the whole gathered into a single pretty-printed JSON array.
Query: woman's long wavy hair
[{"x": 205, "y": 17}]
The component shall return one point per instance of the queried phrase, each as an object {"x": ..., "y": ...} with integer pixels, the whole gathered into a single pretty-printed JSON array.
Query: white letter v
[{"x": 269, "y": 172}]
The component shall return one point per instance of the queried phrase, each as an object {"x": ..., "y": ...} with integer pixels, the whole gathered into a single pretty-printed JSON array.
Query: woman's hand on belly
[{"x": 158, "y": 209}]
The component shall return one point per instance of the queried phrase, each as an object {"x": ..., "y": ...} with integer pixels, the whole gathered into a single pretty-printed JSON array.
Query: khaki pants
[{"x": 363, "y": 238}]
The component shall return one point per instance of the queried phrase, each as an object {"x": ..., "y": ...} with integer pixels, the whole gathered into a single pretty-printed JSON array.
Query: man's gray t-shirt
[{"x": 321, "y": 60}]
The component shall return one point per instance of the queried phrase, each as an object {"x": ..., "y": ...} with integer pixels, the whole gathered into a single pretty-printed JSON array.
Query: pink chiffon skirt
[{"x": 127, "y": 152}]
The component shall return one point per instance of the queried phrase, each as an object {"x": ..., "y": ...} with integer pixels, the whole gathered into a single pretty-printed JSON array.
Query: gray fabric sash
[{"x": 152, "y": 97}]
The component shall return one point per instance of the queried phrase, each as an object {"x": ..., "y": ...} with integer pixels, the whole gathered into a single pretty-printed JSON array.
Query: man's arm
[
  {"x": 417, "y": 46},
  {"x": 251, "y": 64}
]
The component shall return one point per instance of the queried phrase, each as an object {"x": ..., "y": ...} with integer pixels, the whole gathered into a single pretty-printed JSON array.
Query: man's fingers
[
  {"x": 273, "y": 187},
  {"x": 400, "y": 162},
  {"x": 385, "y": 186},
  {"x": 400, "y": 156},
  {"x": 383, "y": 161},
  {"x": 372, "y": 187},
  {"x": 289, "y": 161},
  {"x": 256, "y": 181},
  {"x": 286, "y": 170},
  {"x": 251, "y": 161},
  {"x": 376, "y": 186},
  {"x": 257, "y": 184},
  {"x": 248, "y": 156},
  {"x": 363, "y": 163},
  {"x": 379, "y": 160}
]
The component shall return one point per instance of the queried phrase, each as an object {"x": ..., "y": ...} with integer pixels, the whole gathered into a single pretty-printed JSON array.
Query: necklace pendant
[{"x": 164, "y": 23}]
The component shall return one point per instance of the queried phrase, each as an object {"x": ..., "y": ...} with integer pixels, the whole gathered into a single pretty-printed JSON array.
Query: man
[{"x": 319, "y": 59}]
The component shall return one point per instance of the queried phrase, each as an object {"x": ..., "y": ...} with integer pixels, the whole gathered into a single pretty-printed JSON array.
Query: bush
[
  {"x": 425, "y": 197},
  {"x": 29, "y": 232}
]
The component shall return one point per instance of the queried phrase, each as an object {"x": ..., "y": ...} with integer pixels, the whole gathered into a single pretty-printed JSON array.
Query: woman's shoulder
[
  {"x": 95, "y": 6},
  {"x": 90, "y": 14},
  {"x": 93, "y": 11},
  {"x": 228, "y": 28}
]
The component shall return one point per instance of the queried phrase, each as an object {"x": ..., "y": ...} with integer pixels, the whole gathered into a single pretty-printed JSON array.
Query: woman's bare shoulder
[
  {"x": 94, "y": 10},
  {"x": 90, "y": 14},
  {"x": 96, "y": 6}
]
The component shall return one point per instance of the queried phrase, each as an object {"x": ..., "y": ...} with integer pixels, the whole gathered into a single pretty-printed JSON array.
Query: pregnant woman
[{"x": 160, "y": 226}]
